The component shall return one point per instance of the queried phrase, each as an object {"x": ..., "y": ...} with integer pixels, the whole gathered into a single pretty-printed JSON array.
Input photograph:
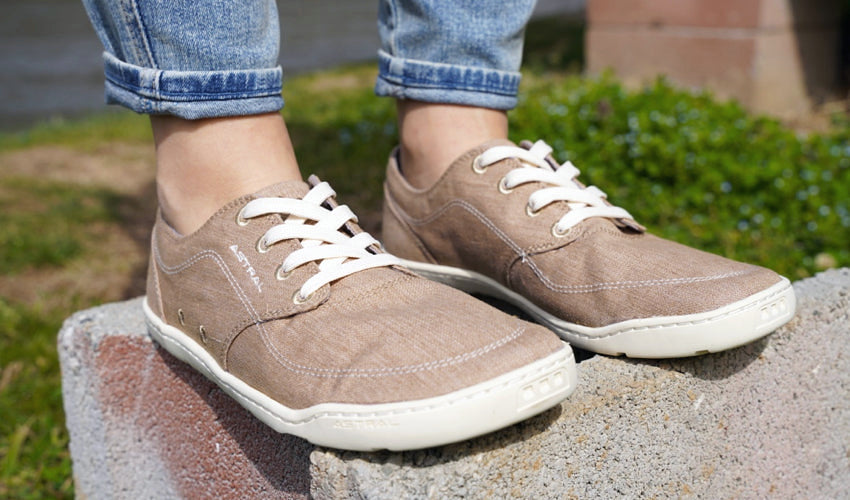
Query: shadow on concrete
[
  {"x": 441, "y": 455},
  {"x": 713, "y": 366}
]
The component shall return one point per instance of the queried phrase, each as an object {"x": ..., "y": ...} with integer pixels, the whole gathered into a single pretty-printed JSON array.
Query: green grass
[
  {"x": 342, "y": 135},
  {"x": 34, "y": 460},
  {"x": 43, "y": 226},
  {"x": 693, "y": 169},
  {"x": 59, "y": 212},
  {"x": 85, "y": 133}
]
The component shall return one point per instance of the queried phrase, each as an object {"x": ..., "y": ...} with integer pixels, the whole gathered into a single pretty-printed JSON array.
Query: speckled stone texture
[
  {"x": 145, "y": 425},
  {"x": 769, "y": 420}
]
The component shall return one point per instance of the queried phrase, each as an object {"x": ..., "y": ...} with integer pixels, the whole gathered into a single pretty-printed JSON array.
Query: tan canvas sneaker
[
  {"x": 290, "y": 308},
  {"x": 510, "y": 222}
]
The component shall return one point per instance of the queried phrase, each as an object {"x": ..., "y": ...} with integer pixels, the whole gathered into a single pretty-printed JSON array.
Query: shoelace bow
[
  {"x": 338, "y": 253},
  {"x": 584, "y": 202}
]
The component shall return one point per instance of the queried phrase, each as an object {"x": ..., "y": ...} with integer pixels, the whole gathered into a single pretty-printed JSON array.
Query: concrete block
[
  {"x": 145, "y": 425},
  {"x": 771, "y": 419}
]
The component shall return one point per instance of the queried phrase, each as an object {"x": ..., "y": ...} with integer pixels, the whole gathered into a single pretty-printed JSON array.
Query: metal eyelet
[
  {"x": 181, "y": 317},
  {"x": 476, "y": 166},
  {"x": 559, "y": 234},
  {"x": 531, "y": 212},
  {"x": 262, "y": 247},
  {"x": 280, "y": 274},
  {"x": 503, "y": 186},
  {"x": 203, "y": 332},
  {"x": 297, "y": 298},
  {"x": 240, "y": 219}
]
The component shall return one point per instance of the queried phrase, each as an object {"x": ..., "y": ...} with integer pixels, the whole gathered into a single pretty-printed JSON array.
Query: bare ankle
[
  {"x": 434, "y": 135},
  {"x": 203, "y": 164}
]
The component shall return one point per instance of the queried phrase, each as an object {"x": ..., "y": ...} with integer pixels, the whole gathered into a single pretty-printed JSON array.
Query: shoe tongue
[{"x": 286, "y": 189}]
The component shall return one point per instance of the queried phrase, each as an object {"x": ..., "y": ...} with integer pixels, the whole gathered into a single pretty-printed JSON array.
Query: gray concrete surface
[
  {"x": 109, "y": 458},
  {"x": 768, "y": 420}
]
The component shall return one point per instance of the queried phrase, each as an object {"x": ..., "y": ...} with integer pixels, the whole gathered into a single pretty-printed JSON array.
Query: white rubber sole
[
  {"x": 659, "y": 337},
  {"x": 406, "y": 425}
]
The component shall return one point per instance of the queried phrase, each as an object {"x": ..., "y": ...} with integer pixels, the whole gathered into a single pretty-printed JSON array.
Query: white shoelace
[
  {"x": 338, "y": 253},
  {"x": 584, "y": 202}
]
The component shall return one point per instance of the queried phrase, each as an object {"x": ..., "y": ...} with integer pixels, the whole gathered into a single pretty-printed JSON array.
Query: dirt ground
[{"x": 115, "y": 263}]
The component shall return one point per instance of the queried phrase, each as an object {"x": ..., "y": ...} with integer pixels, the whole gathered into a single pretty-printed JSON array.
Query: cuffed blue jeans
[{"x": 212, "y": 58}]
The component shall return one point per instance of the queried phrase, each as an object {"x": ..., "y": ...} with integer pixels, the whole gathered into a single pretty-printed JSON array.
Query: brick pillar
[{"x": 775, "y": 56}]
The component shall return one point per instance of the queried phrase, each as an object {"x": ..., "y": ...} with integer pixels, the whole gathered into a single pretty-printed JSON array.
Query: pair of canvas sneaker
[{"x": 313, "y": 327}]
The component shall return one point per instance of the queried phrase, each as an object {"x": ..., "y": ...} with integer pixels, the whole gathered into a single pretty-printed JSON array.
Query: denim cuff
[
  {"x": 192, "y": 94},
  {"x": 446, "y": 83}
]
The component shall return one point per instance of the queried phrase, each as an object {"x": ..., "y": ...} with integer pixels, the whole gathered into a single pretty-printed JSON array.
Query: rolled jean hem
[
  {"x": 446, "y": 83},
  {"x": 192, "y": 94}
]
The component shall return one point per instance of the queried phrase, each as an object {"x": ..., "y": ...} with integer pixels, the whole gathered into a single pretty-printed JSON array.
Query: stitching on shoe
[
  {"x": 610, "y": 232},
  {"x": 568, "y": 288},
  {"x": 614, "y": 285},
  {"x": 278, "y": 312},
  {"x": 377, "y": 288},
  {"x": 331, "y": 372},
  {"x": 447, "y": 402},
  {"x": 475, "y": 212},
  {"x": 399, "y": 214},
  {"x": 399, "y": 370},
  {"x": 484, "y": 220},
  {"x": 216, "y": 257},
  {"x": 683, "y": 323},
  {"x": 405, "y": 411}
]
